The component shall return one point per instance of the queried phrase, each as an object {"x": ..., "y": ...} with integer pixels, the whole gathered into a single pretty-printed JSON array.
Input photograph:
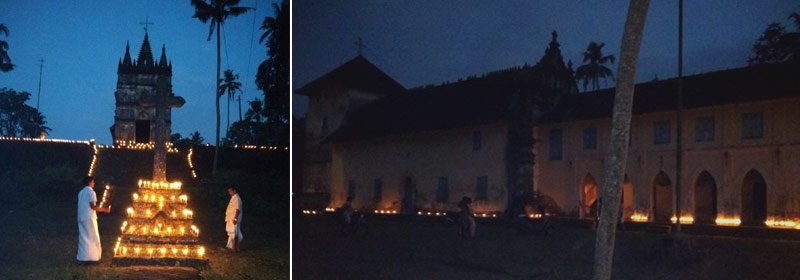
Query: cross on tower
[
  {"x": 146, "y": 23},
  {"x": 360, "y": 45}
]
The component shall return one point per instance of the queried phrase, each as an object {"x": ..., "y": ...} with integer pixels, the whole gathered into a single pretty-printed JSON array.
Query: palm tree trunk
[
  {"x": 216, "y": 100},
  {"x": 228, "y": 126},
  {"x": 620, "y": 131}
]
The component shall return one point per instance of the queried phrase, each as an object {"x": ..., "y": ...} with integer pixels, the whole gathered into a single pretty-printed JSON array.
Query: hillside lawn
[{"x": 38, "y": 213}]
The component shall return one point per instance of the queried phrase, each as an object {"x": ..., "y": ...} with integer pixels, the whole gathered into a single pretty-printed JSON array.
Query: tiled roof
[
  {"x": 358, "y": 74},
  {"x": 761, "y": 82},
  {"x": 474, "y": 101}
]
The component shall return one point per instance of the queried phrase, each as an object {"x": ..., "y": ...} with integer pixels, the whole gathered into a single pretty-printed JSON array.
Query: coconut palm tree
[
  {"x": 594, "y": 68},
  {"x": 5, "y": 61},
  {"x": 231, "y": 85},
  {"x": 216, "y": 11}
]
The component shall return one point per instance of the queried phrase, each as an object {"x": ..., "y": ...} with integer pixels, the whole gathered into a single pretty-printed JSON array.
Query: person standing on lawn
[
  {"x": 466, "y": 217},
  {"x": 89, "y": 249},
  {"x": 233, "y": 220}
]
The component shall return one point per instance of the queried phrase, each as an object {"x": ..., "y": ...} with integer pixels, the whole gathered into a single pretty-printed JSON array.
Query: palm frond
[
  {"x": 796, "y": 17},
  {"x": 4, "y": 29},
  {"x": 235, "y": 11},
  {"x": 202, "y": 10},
  {"x": 211, "y": 29}
]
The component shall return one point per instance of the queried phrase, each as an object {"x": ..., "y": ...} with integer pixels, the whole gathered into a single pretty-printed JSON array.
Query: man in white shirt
[
  {"x": 233, "y": 220},
  {"x": 88, "y": 236}
]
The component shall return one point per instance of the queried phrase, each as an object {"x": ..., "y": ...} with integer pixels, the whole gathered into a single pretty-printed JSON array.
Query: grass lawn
[
  {"x": 39, "y": 241},
  {"x": 429, "y": 249}
]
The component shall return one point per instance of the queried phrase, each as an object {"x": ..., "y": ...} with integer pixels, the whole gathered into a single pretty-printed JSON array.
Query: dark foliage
[
  {"x": 18, "y": 119},
  {"x": 273, "y": 74},
  {"x": 179, "y": 142},
  {"x": 776, "y": 44},
  {"x": 5, "y": 60}
]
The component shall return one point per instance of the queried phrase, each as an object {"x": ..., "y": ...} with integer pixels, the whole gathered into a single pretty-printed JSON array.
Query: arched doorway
[
  {"x": 754, "y": 199},
  {"x": 589, "y": 197},
  {"x": 662, "y": 198},
  {"x": 705, "y": 198},
  {"x": 627, "y": 198},
  {"x": 407, "y": 205},
  {"x": 142, "y": 128}
]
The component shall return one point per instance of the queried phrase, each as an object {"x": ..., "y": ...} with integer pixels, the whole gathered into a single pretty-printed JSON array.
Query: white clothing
[
  {"x": 233, "y": 230},
  {"x": 234, "y": 204},
  {"x": 85, "y": 212},
  {"x": 88, "y": 241},
  {"x": 88, "y": 235}
]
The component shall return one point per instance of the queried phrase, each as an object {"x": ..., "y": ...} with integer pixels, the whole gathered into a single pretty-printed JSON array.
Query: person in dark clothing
[{"x": 466, "y": 217}]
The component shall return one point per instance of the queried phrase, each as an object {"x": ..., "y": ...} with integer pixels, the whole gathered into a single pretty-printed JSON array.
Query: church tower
[{"x": 134, "y": 117}]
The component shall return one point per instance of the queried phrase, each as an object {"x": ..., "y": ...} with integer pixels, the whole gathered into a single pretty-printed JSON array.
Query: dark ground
[{"x": 430, "y": 249}]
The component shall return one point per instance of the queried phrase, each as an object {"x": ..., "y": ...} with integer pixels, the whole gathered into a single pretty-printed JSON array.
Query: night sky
[
  {"x": 428, "y": 42},
  {"x": 82, "y": 42}
]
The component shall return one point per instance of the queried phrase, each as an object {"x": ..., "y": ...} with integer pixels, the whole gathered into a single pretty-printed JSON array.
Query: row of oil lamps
[
  {"x": 191, "y": 165},
  {"x": 160, "y": 230},
  {"x": 25, "y": 139},
  {"x": 147, "y": 213},
  {"x": 153, "y": 198},
  {"x": 159, "y": 185},
  {"x": 128, "y": 144},
  {"x": 156, "y": 251},
  {"x": 636, "y": 217}
]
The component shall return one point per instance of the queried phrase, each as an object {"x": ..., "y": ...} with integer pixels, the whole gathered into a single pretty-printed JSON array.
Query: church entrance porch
[
  {"x": 662, "y": 198},
  {"x": 754, "y": 199},
  {"x": 409, "y": 194},
  {"x": 627, "y": 198},
  {"x": 142, "y": 131},
  {"x": 589, "y": 197},
  {"x": 705, "y": 199}
]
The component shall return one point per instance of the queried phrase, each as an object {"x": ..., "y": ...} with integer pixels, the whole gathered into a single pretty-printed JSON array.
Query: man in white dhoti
[
  {"x": 233, "y": 220},
  {"x": 88, "y": 237}
]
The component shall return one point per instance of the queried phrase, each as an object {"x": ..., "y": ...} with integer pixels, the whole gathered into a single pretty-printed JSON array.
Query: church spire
[
  {"x": 127, "y": 59},
  {"x": 145, "y": 55},
  {"x": 553, "y": 74},
  {"x": 553, "y": 53},
  {"x": 162, "y": 62}
]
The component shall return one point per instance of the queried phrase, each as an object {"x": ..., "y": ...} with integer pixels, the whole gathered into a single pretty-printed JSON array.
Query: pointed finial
[
  {"x": 163, "y": 60},
  {"x": 360, "y": 45},
  {"x": 555, "y": 34}
]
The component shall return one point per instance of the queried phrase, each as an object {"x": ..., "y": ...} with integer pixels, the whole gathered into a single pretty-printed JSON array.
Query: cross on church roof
[
  {"x": 360, "y": 45},
  {"x": 146, "y": 23}
]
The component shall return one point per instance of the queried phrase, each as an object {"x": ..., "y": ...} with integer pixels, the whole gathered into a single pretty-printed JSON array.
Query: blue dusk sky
[
  {"x": 428, "y": 42},
  {"x": 82, "y": 42}
]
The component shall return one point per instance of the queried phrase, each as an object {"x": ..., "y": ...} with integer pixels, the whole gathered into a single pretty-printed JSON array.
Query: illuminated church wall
[
  {"x": 421, "y": 159},
  {"x": 724, "y": 168}
]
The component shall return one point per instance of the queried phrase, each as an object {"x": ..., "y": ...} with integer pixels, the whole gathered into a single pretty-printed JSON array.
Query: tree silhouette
[
  {"x": 18, "y": 119},
  {"x": 776, "y": 44},
  {"x": 230, "y": 84},
  {"x": 273, "y": 73},
  {"x": 216, "y": 11},
  {"x": 594, "y": 67},
  {"x": 5, "y": 60},
  {"x": 179, "y": 142},
  {"x": 251, "y": 130}
]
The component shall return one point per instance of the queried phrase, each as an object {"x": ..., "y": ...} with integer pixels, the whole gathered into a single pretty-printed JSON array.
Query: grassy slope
[{"x": 37, "y": 218}]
